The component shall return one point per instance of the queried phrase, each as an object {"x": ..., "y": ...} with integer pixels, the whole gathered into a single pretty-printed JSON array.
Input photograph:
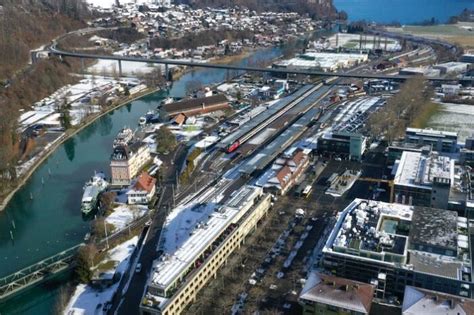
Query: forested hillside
[{"x": 26, "y": 25}]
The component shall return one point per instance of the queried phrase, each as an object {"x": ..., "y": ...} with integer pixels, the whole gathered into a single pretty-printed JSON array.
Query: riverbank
[{"x": 66, "y": 136}]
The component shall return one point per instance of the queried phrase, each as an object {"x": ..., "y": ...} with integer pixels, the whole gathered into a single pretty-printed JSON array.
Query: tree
[
  {"x": 106, "y": 200},
  {"x": 153, "y": 78},
  {"x": 166, "y": 140},
  {"x": 84, "y": 262},
  {"x": 99, "y": 226}
]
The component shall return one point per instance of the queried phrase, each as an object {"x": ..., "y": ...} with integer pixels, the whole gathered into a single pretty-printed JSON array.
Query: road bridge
[{"x": 167, "y": 62}]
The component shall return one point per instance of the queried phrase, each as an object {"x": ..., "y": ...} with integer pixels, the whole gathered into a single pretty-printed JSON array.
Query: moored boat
[{"x": 92, "y": 189}]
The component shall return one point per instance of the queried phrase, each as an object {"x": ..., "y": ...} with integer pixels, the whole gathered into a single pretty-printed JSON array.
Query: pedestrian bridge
[{"x": 37, "y": 272}]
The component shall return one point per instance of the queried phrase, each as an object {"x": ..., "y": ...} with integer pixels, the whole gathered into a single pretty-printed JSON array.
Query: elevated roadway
[{"x": 167, "y": 62}]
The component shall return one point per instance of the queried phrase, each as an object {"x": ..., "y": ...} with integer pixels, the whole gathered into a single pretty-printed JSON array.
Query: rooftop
[
  {"x": 344, "y": 293},
  {"x": 262, "y": 116},
  {"x": 387, "y": 233},
  {"x": 432, "y": 132},
  {"x": 195, "y": 103},
  {"x": 418, "y": 170},
  {"x": 421, "y": 301},
  {"x": 436, "y": 227},
  {"x": 191, "y": 228}
]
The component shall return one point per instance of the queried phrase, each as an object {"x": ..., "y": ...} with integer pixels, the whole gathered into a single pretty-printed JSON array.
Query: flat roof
[
  {"x": 432, "y": 132},
  {"x": 382, "y": 232},
  {"x": 261, "y": 117},
  {"x": 280, "y": 144},
  {"x": 192, "y": 227},
  {"x": 418, "y": 170},
  {"x": 437, "y": 227}
]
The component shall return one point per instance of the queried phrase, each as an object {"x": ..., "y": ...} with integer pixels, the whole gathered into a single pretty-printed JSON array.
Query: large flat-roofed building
[
  {"x": 197, "y": 239},
  {"x": 126, "y": 161},
  {"x": 393, "y": 245},
  {"x": 330, "y": 295},
  {"x": 420, "y": 301},
  {"x": 351, "y": 145},
  {"x": 322, "y": 60},
  {"x": 441, "y": 141},
  {"x": 197, "y": 106},
  {"x": 423, "y": 180}
]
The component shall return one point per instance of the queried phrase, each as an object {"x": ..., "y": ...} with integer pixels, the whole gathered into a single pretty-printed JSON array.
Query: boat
[
  {"x": 165, "y": 101},
  {"x": 124, "y": 137},
  {"x": 92, "y": 189},
  {"x": 151, "y": 117}
]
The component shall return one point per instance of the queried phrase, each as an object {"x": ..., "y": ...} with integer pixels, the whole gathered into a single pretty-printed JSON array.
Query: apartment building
[
  {"x": 196, "y": 241},
  {"x": 126, "y": 162}
]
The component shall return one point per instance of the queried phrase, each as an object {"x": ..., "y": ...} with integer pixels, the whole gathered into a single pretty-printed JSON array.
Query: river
[
  {"x": 403, "y": 11},
  {"x": 52, "y": 220}
]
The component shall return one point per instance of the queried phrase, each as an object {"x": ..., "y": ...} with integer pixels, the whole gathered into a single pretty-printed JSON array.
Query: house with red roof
[
  {"x": 287, "y": 171},
  {"x": 143, "y": 190}
]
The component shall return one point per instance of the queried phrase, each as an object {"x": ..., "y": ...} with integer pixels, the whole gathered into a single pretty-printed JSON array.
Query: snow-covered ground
[
  {"x": 78, "y": 96},
  {"x": 87, "y": 300},
  {"x": 454, "y": 117},
  {"x": 125, "y": 214},
  {"x": 128, "y": 68}
]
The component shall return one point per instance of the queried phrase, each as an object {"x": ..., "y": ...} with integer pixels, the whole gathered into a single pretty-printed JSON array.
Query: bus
[{"x": 307, "y": 191}]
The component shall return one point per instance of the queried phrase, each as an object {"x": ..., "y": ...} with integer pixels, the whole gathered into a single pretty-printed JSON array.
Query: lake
[{"x": 403, "y": 11}]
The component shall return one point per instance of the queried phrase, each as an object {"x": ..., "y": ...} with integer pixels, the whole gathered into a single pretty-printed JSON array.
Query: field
[
  {"x": 454, "y": 117},
  {"x": 461, "y": 33}
]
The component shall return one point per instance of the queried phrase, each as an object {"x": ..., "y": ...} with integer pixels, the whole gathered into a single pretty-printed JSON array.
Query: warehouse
[{"x": 197, "y": 106}]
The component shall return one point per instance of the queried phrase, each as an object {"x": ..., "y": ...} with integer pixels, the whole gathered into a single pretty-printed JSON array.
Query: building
[
  {"x": 351, "y": 145},
  {"x": 322, "y": 60},
  {"x": 287, "y": 170},
  {"x": 197, "y": 239},
  {"x": 393, "y": 245},
  {"x": 452, "y": 67},
  {"x": 127, "y": 161},
  {"x": 430, "y": 180},
  {"x": 423, "y": 180},
  {"x": 469, "y": 58},
  {"x": 197, "y": 106},
  {"x": 441, "y": 141},
  {"x": 420, "y": 301},
  {"x": 143, "y": 190},
  {"x": 330, "y": 295},
  {"x": 466, "y": 155}
]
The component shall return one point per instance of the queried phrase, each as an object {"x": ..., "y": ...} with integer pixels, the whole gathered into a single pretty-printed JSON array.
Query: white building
[{"x": 143, "y": 190}]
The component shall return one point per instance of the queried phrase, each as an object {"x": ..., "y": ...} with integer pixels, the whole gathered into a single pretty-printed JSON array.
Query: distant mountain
[{"x": 314, "y": 8}]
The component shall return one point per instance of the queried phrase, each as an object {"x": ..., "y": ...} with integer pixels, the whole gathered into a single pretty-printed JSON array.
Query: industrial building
[
  {"x": 327, "y": 294},
  {"x": 441, "y": 141},
  {"x": 322, "y": 60},
  {"x": 197, "y": 106},
  {"x": 197, "y": 238},
  {"x": 346, "y": 144},
  {"x": 394, "y": 245},
  {"x": 452, "y": 67},
  {"x": 126, "y": 161}
]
